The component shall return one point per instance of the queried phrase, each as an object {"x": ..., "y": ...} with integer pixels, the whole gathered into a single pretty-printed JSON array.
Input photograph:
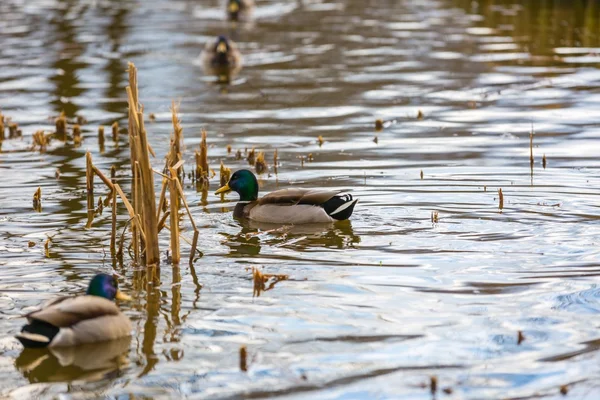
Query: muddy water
[{"x": 374, "y": 307}]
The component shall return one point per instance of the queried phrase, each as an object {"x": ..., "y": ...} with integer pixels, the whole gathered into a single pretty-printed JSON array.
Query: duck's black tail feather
[
  {"x": 340, "y": 206},
  {"x": 37, "y": 334}
]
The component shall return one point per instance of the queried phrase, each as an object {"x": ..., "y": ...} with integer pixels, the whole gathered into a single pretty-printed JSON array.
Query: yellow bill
[
  {"x": 223, "y": 189},
  {"x": 122, "y": 296},
  {"x": 221, "y": 48}
]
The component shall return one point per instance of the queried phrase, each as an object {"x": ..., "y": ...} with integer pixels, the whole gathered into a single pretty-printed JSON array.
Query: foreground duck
[
  {"x": 69, "y": 321},
  {"x": 239, "y": 10},
  {"x": 287, "y": 206}
]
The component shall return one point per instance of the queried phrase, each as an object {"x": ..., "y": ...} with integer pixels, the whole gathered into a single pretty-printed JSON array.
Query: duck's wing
[
  {"x": 68, "y": 311},
  {"x": 294, "y": 196}
]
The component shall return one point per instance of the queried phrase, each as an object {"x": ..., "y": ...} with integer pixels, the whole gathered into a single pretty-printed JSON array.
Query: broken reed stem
[
  {"x": 243, "y": 359},
  {"x": 500, "y": 199},
  {"x": 531, "y": 148},
  {"x": 187, "y": 208},
  {"x": 203, "y": 160},
  {"x": 174, "y": 218},
  {"x": 113, "y": 231},
  {"x": 37, "y": 199},
  {"x": 163, "y": 220},
  {"x": 224, "y": 176},
  {"x": 161, "y": 199},
  {"x": 61, "y": 127},
  {"x": 275, "y": 157},
  {"x": 115, "y": 132},
  {"x": 2, "y": 128},
  {"x": 101, "y": 138},
  {"x": 148, "y": 196},
  {"x": 260, "y": 164},
  {"x": 177, "y": 137},
  {"x": 136, "y": 207},
  {"x": 89, "y": 185}
]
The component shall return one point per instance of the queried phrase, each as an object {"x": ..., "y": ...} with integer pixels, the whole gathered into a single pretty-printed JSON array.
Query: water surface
[{"x": 373, "y": 307}]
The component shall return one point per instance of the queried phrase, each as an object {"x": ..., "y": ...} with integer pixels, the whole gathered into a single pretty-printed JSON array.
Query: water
[{"x": 372, "y": 308}]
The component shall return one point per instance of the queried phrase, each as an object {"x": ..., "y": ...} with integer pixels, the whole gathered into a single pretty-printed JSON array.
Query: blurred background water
[{"x": 374, "y": 307}]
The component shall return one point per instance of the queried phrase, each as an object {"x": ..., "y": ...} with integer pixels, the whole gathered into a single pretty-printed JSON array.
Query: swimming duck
[
  {"x": 239, "y": 9},
  {"x": 69, "y": 321},
  {"x": 222, "y": 54},
  {"x": 287, "y": 206}
]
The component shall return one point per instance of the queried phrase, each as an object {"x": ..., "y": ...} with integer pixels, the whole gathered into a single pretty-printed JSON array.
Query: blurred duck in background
[
  {"x": 222, "y": 58},
  {"x": 239, "y": 10}
]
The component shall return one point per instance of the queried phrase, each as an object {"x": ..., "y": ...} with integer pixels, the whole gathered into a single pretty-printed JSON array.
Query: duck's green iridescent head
[
  {"x": 103, "y": 285},
  {"x": 244, "y": 183}
]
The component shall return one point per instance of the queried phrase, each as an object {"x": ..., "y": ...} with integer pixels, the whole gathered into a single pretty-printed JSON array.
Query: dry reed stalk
[
  {"x": 379, "y": 125},
  {"x": 2, "y": 129},
  {"x": 531, "y": 148},
  {"x": 500, "y": 199},
  {"x": 41, "y": 140},
  {"x": 376, "y": 140},
  {"x": 13, "y": 130},
  {"x": 434, "y": 217},
  {"x": 101, "y": 138},
  {"x": 251, "y": 156},
  {"x": 104, "y": 179},
  {"x": 433, "y": 385},
  {"x": 113, "y": 230},
  {"x": 76, "y": 134},
  {"x": 520, "y": 337},
  {"x": 37, "y": 199},
  {"x": 89, "y": 185},
  {"x": 544, "y": 161},
  {"x": 422, "y": 175},
  {"x": 261, "y": 165},
  {"x": 420, "y": 115},
  {"x": 163, "y": 220},
  {"x": 161, "y": 199},
  {"x": 275, "y": 158},
  {"x": 189, "y": 213},
  {"x": 194, "y": 244},
  {"x": 61, "y": 127},
  {"x": 243, "y": 359},
  {"x": 228, "y": 147},
  {"x": 203, "y": 158},
  {"x": 320, "y": 140},
  {"x": 115, "y": 132},
  {"x": 174, "y": 218},
  {"x": 47, "y": 247},
  {"x": 137, "y": 200},
  {"x": 142, "y": 152},
  {"x": 177, "y": 136},
  {"x": 238, "y": 155},
  {"x": 261, "y": 279},
  {"x": 224, "y": 174}
]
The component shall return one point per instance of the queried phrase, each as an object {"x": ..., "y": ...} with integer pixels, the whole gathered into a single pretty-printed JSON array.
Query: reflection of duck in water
[
  {"x": 253, "y": 235},
  {"x": 222, "y": 58},
  {"x": 239, "y": 10},
  {"x": 287, "y": 206},
  {"x": 69, "y": 321},
  {"x": 89, "y": 362}
]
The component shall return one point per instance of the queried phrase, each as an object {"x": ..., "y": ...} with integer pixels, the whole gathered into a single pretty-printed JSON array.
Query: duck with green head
[
  {"x": 287, "y": 206},
  {"x": 221, "y": 57},
  {"x": 69, "y": 321},
  {"x": 239, "y": 10}
]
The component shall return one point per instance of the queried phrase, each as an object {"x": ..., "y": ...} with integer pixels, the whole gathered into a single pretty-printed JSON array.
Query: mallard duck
[
  {"x": 239, "y": 10},
  {"x": 221, "y": 54},
  {"x": 69, "y": 321},
  {"x": 287, "y": 206}
]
